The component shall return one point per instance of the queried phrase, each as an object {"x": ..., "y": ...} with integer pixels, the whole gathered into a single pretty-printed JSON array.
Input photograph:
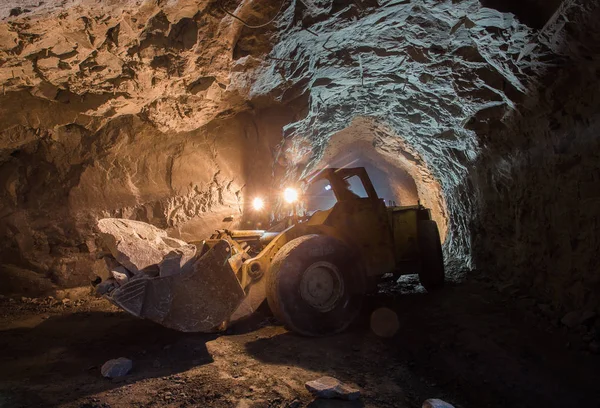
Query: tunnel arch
[{"x": 393, "y": 166}]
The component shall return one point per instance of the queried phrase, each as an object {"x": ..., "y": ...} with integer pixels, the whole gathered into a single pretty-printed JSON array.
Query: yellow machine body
[{"x": 225, "y": 282}]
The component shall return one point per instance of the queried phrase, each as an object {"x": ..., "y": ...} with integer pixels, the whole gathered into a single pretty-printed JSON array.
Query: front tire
[
  {"x": 431, "y": 274},
  {"x": 315, "y": 285}
]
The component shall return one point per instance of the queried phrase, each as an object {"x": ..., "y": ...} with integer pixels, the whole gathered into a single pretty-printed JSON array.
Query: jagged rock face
[
  {"x": 169, "y": 64},
  {"x": 538, "y": 176},
  {"x": 136, "y": 110},
  {"x": 469, "y": 95},
  {"x": 59, "y": 183},
  {"x": 427, "y": 73}
]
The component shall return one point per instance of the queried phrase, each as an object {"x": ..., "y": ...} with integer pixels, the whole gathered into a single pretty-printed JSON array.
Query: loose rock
[
  {"x": 137, "y": 245},
  {"x": 436, "y": 403},
  {"x": 106, "y": 287},
  {"x": 120, "y": 274},
  {"x": 118, "y": 367},
  {"x": 329, "y": 387},
  {"x": 571, "y": 319}
]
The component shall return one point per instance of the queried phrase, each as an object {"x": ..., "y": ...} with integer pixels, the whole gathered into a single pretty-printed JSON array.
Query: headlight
[
  {"x": 290, "y": 195},
  {"x": 258, "y": 204}
]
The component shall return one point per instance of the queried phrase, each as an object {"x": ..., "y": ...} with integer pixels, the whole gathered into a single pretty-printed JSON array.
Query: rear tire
[
  {"x": 431, "y": 274},
  {"x": 315, "y": 285}
]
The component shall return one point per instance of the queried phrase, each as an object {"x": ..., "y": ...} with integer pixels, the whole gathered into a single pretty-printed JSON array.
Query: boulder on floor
[
  {"x": 119, "y": 367},
  {"x": 329, "y": 387}
]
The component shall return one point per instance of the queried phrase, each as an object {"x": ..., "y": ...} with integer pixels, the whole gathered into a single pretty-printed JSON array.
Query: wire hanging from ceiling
[{"x": 220, "y": 4}]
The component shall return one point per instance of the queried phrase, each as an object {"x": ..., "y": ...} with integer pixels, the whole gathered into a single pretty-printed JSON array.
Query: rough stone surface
[
  {"x": 14, "y": 280},
  {"x": 424, "y": 72},
  {"x": 115, "y": 368},
  {"x": 93, "y": 110},
  {"x": 137, "y": 245},
  {"x": 329, "y": 387},
  {"x": 537, "y": 178},
  {"x": 119, "y": 58}
]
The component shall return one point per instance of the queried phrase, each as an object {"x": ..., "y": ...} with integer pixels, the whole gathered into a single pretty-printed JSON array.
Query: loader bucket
[{"x": 197, "y": 300}]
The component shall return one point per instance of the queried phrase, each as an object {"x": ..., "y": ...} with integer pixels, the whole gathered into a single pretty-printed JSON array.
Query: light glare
[
  {"x": 258, "y": 204},
  {"x": 290, "y": 195}
]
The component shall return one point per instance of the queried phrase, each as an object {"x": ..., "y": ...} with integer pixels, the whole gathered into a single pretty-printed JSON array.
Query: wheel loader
[{"x": 313, "y": 268}]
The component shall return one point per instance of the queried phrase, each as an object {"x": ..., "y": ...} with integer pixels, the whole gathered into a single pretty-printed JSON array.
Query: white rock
[
  {"x": 329, "y": 387},
  {"x": 120, "y": 274},
  {"x": 137, "y": 245},
  {"x": 436, "y": 403},
  {"x": 118, "y": 367}
]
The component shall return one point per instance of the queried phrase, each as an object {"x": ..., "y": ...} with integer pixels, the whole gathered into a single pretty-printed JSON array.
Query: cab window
[
  {"x": 319, "y": 196},
  {"x": 355, "y": 185}
]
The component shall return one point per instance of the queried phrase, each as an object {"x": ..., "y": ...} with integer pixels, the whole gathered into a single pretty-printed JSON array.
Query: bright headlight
[
  {"x": 290, "y": 195},
  {"x": 258, "y": 204}
]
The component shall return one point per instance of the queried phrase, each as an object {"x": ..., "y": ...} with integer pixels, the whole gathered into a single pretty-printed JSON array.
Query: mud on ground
[{"x": 467, "y": 344}]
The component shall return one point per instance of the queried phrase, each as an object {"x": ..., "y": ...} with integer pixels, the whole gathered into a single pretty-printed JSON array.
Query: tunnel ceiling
[
  {"x": 169, "y": 83},
  {"x": 170, "y": 64},
  {"x": 432, "y": 72},
  {"x": 181, "y": 64}
]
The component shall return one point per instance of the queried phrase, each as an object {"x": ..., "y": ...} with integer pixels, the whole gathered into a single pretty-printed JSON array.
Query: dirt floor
[{"x": 466, "y": 344}]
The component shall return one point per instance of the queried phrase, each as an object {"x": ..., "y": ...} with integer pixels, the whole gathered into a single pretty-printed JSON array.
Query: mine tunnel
[{"x": 299, "y": 203}]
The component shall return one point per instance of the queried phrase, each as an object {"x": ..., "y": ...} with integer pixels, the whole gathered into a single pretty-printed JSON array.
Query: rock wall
[
  {"x": 169, "y": 62},
  {"x": 538, "y": 177},
  {"x": 125, "y": 109},
  {"x": 58, "y": 183}
]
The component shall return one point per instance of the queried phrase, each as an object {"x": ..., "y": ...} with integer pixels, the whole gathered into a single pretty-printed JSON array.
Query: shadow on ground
[
  {"x": 464, "y": 343},
  {"x": 60, "y": 359}
]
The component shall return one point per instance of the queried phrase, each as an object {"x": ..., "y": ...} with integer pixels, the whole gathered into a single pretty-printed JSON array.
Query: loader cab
[
  {"x": 330, "y": 186},
  {"x": 346, "y": 200}
]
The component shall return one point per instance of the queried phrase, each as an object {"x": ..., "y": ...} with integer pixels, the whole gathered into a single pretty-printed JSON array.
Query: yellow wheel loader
[{"x": 313, "y": 269}]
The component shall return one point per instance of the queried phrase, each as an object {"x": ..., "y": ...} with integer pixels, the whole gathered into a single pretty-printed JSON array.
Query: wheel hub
[{"x": 321, "y": 286}]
